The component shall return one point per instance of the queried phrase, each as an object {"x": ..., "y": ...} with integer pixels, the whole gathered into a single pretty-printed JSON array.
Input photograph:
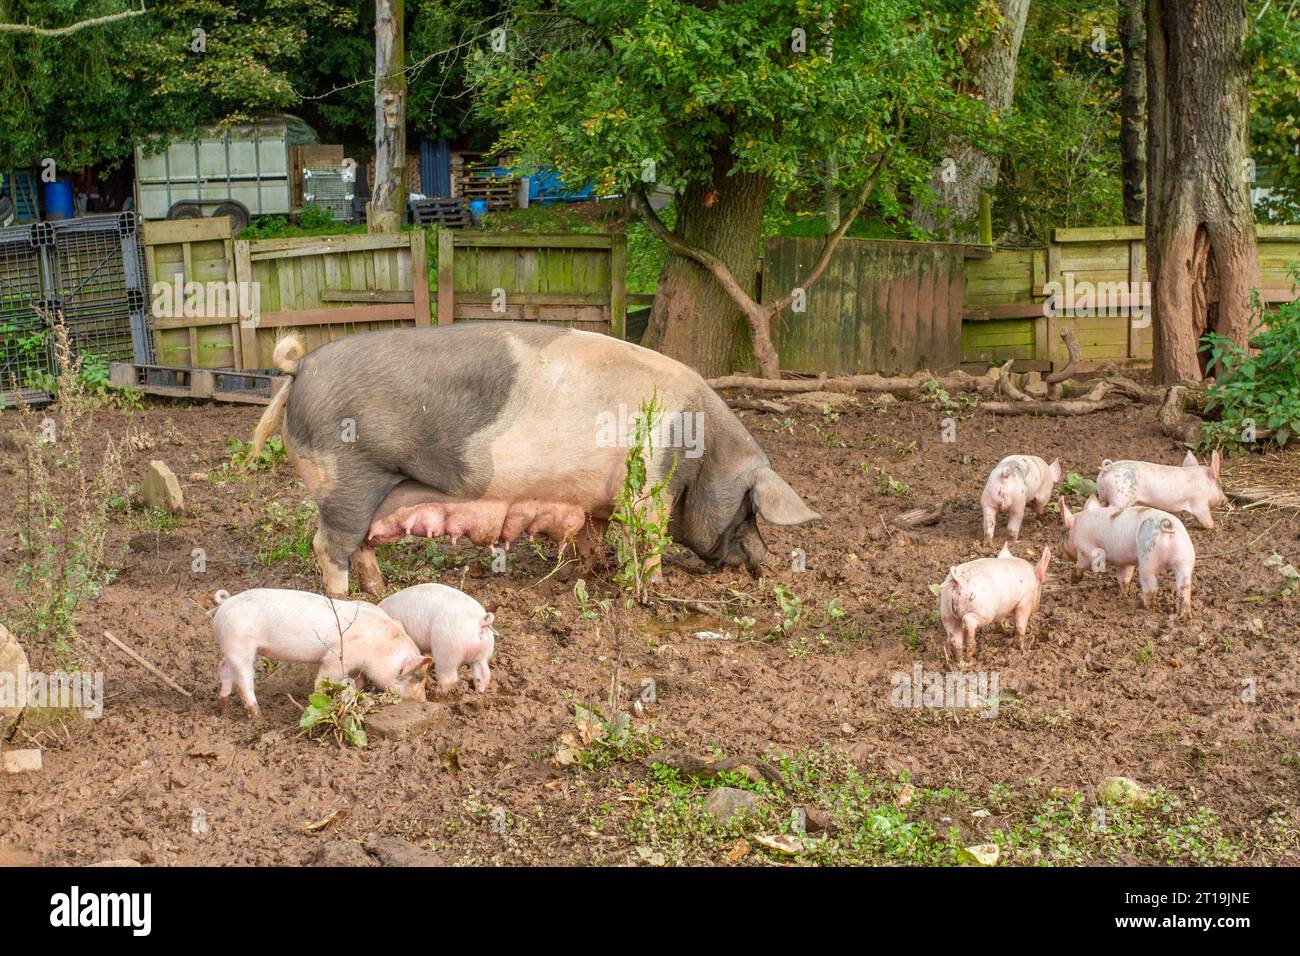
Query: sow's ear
[{"x": 777, "y": 502}]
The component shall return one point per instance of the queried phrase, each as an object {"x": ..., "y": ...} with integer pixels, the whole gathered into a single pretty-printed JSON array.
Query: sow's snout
[{"x": 768, "y": 497}]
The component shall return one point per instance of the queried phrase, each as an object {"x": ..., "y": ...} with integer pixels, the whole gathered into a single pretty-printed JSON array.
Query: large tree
[
  {"x": 730, "y": 104},
  {"x": 989, "y": 74},
  {"x": 1200, "y": 234}
]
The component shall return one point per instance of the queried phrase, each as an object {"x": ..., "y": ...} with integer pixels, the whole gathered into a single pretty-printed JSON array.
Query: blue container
[
  {"x": 478, "y": 208},
  {"x": 58, "y": 199}
]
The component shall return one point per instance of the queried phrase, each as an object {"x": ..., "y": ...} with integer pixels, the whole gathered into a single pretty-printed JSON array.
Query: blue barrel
[
  {"x": 478, "y": 208},
  {"x": 58, "y": 199}
]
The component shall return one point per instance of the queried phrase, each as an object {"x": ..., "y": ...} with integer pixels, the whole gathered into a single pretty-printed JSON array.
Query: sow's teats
[{"x": 496, "y": 430}]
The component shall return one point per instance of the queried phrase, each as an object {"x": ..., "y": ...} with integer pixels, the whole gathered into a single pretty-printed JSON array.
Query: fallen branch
[
  {"x": 1008, "y": 387},
  {"x": 1060, "y": 407},
  {"x": 912, "y": 386},
  {"x": 146, "y": 665},
  {"x": 759, "y": 405},
  {"x": 1055, "y": 379}
]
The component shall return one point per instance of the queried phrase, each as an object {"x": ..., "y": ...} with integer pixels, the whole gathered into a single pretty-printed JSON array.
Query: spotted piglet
[
  {"x": 1191, "y": 487},
  {"x": 987, "y": 590},
  {"x": 1017, "y": 482},
  {"x": 1126, "y": 539},
  {"x": 450, "y": 626}
]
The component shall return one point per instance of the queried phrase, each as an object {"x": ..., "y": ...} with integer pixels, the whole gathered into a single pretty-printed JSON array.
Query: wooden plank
[
  {"x": 1098, "y": 234},
  {"x": 243, "y": 272},
  {"x": 397, "y": 312},
  {"x": 538, "y": 298},
  {"x": 519, "y": 240},
  {"x": 618, "y": 286},
  {"x": 419, "y": 272},
  {"x": 368, "y": 295},
  {"x": 446, "y": 265},
  {"x": 186, "y": 230},
  {"x": 323, "y": 245}
]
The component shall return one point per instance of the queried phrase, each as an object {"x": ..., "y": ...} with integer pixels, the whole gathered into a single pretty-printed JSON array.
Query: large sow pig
[
  {"x": 987, "y": 590},
  {"x": 1144, "y": 539},
  {"x": 494, "y": 430},
  {"x": 343, "y": 637},
  {"x": 1193, "y": 487}
]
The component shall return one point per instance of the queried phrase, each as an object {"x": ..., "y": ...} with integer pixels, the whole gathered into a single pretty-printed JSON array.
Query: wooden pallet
[
  {"x": 450, "y": 213},
  {"x": 221, "y": 385},
  {"x": 500, "y": 194}
]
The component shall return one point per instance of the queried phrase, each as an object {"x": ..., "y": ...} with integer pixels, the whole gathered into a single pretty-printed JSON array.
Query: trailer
[{"x": 239, "y": 171}]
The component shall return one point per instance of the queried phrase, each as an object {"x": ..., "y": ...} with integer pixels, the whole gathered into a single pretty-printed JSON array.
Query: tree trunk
[
  {"x": 388, "y": 192},
  {"x": 1133, "y": 109},
  {"x": 1200, "y": 234},
  {"x": 992, "y": 68},
  {"x": 693, "y": 319}
]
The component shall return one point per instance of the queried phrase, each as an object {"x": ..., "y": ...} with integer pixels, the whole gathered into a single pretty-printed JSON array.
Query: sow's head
[{"x": 719, "y": 523}]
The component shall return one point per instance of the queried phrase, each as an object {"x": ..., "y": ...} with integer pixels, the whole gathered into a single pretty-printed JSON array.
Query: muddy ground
[{"x": 1102, "y": 688}]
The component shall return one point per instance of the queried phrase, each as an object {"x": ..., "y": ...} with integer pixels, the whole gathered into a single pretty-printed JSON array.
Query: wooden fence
[
  {"x": 219, "y": 302},
  {"x": 880, "y": 306},
  {"x": 1005, "y": 318},
  {"x": 578, "y": 279}
]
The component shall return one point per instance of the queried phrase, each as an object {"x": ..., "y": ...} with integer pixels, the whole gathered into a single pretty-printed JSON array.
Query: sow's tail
[{"x": 287, "y": 353}]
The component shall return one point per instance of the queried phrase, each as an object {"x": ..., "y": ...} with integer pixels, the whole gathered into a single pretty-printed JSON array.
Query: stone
[
  {"x": 982, "y": 854},
  {"x": 392, "y": 851},
  {"x": 725, "y": 802},
  {"x": 13, "y": 675},
  {"x": 162, "y": 489},
  {"x": 405, "y": 719},
  {"x": 20, "y": 761},
  {"x": 122, "y": 862},
  {"x": 341, "y": 853}
]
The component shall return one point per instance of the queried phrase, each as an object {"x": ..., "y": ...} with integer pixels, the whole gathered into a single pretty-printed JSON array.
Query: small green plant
[
  {"x": 338, "y": 711},
  {"x": 1256, "y": 391},
  {"x": 940, "y": 400},
  {"x": 589, "y": 607},
  {"x": 1290, "y": 575},
  {"x": 638, "y": 526},
  {"x": 792, "y": 610},
  {"x": 1076, "y": 484},
  {"x": 241, "y": 454},
  {"x": 888, "y": 484}
]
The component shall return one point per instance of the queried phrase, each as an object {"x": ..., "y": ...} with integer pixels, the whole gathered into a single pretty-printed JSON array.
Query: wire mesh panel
[
  {"x": 89, "y": 271},
  {"x": 24, "y": 346},
  {"x": 330, "y": 187}
]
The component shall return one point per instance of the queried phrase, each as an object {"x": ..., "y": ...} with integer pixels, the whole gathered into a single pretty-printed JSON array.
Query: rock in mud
[
  {"x": 13, "y": 674},
  {"x": 122, "y": 862},
  {"x": 725, "y": 802},
  {"x": 342, "y": 853},
  {"x": 392, "y": 851},
  {"x": 161, "y": 488},
  {"x": 407, "y": 719},
  {"x": 20, "y": 761}
]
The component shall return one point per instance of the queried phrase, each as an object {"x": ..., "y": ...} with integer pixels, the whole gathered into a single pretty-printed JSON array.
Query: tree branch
[{"x": 33, "y": 30}]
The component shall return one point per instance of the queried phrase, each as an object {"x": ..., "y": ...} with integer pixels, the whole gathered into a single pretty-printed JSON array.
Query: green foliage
[
  {"x": 638, "y": 526},
  {"x": 599, "y": 87},
  {"x": 1076, "y": 484},
  {"x": 1272, "y": 52},
  {"x": 241, "y": 451},
  {"x": 338, "y": 711},
  {"x": 1256, "y": 392}
]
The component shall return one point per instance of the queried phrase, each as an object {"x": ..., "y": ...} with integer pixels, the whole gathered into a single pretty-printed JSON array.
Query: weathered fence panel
[
  {"x": 1005, "y": 295},
  {"x": 324, "y": 287},
  {"x": 880, "y": 306},
  {"x": 576, "y": 280}
]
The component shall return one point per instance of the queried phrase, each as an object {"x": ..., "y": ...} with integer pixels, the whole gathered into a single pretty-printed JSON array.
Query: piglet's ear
[
  {"x": 1092, "y": 502},
  {"x": 1067, "y": 519},
  {"x": 1215, "y": 462},
  {"x": 1055, "y": 469},
  {"x": 777, "y": 502},
  {"x": 1040, "y": 569},
  {"x": 1189, "y": 460},
  {"x": 1005, "y": 552},
  {"x": 413, "y": 664},
  {"x": 487, "y": 621}
]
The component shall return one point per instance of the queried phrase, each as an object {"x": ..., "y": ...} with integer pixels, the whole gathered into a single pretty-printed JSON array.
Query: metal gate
[{"x": 88, "y": 270}]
